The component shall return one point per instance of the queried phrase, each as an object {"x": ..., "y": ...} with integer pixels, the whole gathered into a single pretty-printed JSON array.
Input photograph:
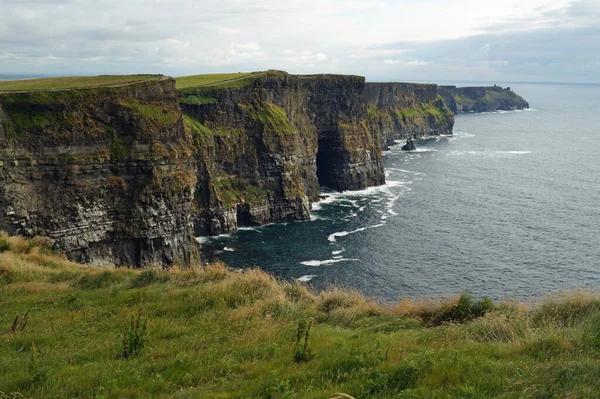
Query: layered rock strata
[
  {"x": 105, "y": 172},
  {"x": 398, "y": 111},
  {"x": 265, "y": 145}
]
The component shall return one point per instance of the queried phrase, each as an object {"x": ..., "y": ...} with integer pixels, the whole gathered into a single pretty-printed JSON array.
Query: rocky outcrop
[
  {"x": 409, "y": 146},
  {"x": 481, "y": 99},
  {"x": 397, "y": 111},
  {"x": 105, "y": 172},
  {"x": 265, "y": 145}
]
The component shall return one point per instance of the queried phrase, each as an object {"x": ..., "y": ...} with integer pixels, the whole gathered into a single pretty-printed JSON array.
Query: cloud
[
  {"x": 408, "y": 63},
  {"x": 428, "y": 39}
]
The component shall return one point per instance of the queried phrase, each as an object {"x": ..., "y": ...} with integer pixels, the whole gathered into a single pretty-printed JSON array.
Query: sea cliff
[
  {"x": 266, "y": 143},
  {"x": 398, "y": 111},
  {"x": 126, "y": 174},
  {"x": 105, "y": 172},
  {"x": 481, "y": 99}
]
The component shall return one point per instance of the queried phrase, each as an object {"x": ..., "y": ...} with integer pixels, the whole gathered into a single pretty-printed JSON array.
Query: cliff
[
  {"x": 397, "y": 111},
  {"x": 105, "y": 172},
  {"x": 481, "y": 99},
  {"x": 266, "y": 143}
]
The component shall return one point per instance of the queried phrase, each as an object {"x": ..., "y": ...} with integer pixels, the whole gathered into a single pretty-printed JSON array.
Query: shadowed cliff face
[
  {"x": 481, "y": 99},
  {"x": 264, "y": 147},
  {"x": 397, "y": 111},
  {"x": 105, "y": 172}
]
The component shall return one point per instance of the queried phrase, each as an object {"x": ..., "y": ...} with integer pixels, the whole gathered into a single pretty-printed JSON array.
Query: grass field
[
  {"x": 71, "y": 82},
  {"x": 84, "y": 332},
  {"x": 208, "y": 79}
]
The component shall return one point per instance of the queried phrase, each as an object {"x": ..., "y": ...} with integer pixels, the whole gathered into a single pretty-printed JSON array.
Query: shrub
[
  {"x": 134, "y": 336},
  {"x": 148, "y": 277},
  {"x": 464, "y": 310},
  {"x": 4, "y": 245},
  {"x": 303, "y": 352}
]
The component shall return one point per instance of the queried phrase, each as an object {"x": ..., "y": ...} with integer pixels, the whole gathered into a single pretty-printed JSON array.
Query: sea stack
[{"x": 410, "y": 145}]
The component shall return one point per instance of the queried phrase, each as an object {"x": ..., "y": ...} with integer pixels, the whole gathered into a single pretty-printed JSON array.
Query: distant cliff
[
  {"x": 106, "y": 172},
  {"x": 265, "y": 145},
  {"x": 481, "y": 99},
  {"x": 397, "y": 111}
]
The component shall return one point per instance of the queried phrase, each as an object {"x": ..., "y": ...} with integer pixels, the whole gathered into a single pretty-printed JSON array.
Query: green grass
[
  {"x": 208, "y": 79},
  {"x": 215, "y": 333},
  {"x": 72, "y": 82}
]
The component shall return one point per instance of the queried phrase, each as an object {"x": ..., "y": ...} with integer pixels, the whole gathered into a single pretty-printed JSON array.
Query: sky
[{"x": 409, "y": 40}]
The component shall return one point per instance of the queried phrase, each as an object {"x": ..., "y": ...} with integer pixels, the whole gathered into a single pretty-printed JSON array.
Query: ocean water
[{"x": 509, "y": 206}]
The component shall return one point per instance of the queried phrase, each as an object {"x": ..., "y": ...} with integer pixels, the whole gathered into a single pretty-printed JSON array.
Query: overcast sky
[{"x": 428, "y": 40}]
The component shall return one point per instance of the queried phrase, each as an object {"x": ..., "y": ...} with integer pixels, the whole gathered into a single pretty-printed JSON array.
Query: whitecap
[
  {"x": 332, "y": 237},
  {"x": 307, "y": 278},
  {"x": 228, "y": 249},
  {"x": 337, "y": 252},
  {"x": 513, "y": 152},
  {"x": 249, "y": 228},
  {"x": 316, "y": 263}
]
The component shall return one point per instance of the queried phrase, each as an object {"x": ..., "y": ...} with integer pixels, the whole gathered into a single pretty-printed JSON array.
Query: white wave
[
  {"x": 316, "y": 263},
  {"x": 203, "y": 239},
  {"x": 314, "y": 217},
  {"x": 530, "y": 109},
  {"x": 307, "y": 278},
  {"x": 332, "y": 237},
  {"x": 362, "y": 208},
  {"x": 513, "y": 152},
  {"x": 228, "y": 249},
  {"x": 425, "y": 150},
  {"x": 338, "y": 257},
  {"x": 405, "y": 171},
  {"x": 249, "y": 228},
  {"x": 337, "y": 252}
]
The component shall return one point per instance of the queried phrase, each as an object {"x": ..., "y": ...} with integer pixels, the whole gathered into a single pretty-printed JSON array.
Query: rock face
[
  {"x": 105, "y": 172},
  {"x": 265, "y": 145},
  {"x": 481, "y": 99},
  {"x": 409, "y": 146},
  {"x": 397, "y": 111}
]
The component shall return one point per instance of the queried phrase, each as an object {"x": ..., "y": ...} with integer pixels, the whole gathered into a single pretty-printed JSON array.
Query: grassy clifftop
[
  {"x": 73, "y": 82},
  {"x": 68, "y": 330}
]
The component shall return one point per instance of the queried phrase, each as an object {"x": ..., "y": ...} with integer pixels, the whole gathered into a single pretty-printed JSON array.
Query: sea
[{"x": 507, "y": 207}]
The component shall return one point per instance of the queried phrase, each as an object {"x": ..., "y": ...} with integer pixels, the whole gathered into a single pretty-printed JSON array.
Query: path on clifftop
[{"x": 232, "y": 80}]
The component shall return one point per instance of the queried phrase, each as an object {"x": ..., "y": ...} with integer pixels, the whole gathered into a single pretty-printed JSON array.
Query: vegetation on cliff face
[{"x": 68, "y": 330}]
